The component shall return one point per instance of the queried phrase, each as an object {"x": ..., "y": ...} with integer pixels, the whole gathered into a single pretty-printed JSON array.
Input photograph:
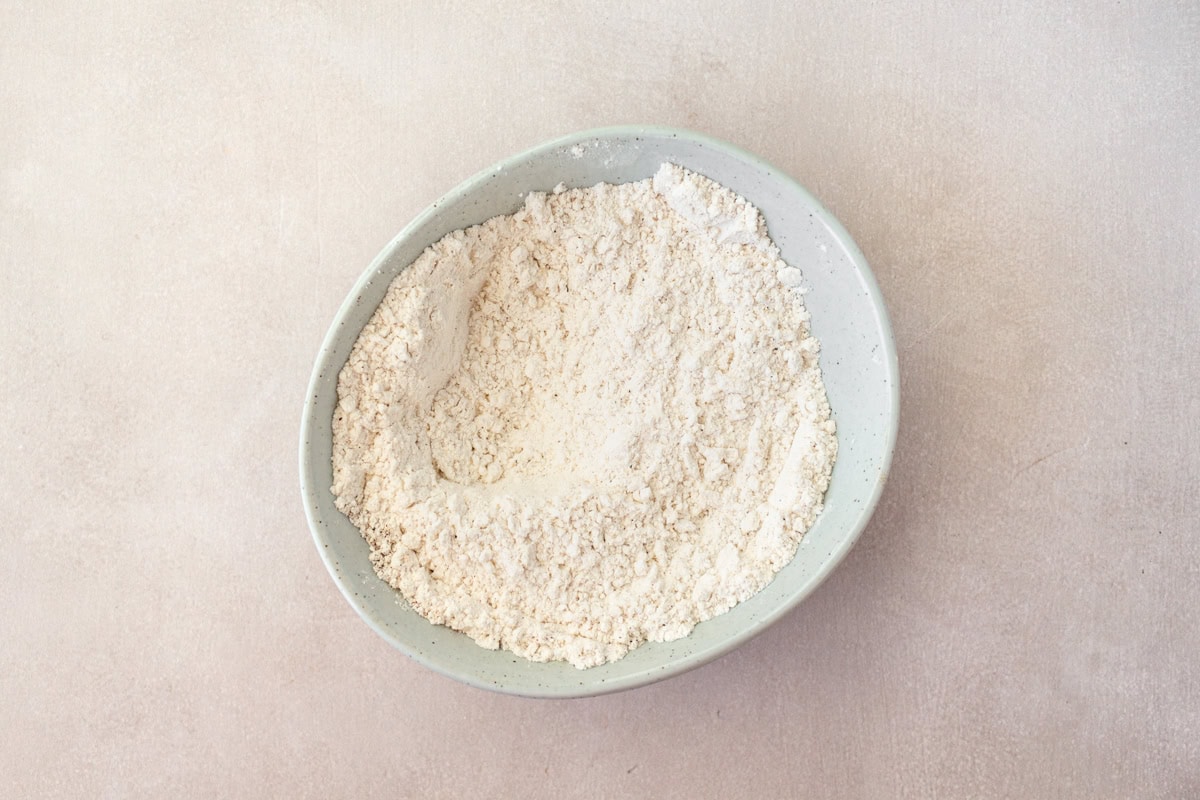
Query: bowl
[{"x": 858, "y": 359}]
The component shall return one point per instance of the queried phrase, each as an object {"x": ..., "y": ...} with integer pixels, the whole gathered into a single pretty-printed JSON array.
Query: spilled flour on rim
[{"x": 593, "y": 423}]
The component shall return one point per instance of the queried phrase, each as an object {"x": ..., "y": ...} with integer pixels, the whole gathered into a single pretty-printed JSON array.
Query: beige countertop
[{"x": 188, "y": 191}]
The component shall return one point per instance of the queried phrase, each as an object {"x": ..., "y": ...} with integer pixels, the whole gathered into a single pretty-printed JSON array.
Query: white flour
[{"x": 593, "y": 423}]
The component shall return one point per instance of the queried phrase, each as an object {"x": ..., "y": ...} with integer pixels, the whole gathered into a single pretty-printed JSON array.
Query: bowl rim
[{"x": 697, "y": 659}]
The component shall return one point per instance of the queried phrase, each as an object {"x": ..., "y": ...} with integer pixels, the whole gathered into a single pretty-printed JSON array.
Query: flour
[{"x": 594, "y": 423}]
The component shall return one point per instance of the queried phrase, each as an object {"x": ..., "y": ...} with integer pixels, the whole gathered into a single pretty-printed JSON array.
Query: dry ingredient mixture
[{"x": 590, "y": 424}]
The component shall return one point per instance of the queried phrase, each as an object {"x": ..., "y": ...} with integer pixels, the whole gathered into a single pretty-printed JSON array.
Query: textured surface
[{"x": 188, "y": 191}]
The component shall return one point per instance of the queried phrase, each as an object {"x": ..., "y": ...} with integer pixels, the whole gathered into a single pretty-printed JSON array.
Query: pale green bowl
[{"x": 858, "y": 357}]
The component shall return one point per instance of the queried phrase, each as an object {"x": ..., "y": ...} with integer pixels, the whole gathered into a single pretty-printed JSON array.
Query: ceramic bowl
[{"x": 858, "y": 358}]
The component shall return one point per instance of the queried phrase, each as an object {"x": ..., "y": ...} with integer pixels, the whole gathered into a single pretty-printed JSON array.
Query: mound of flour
[{"x": 593, "y": 423}]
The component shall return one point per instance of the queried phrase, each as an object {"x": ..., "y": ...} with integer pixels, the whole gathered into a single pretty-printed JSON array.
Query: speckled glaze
[{"x": 858, "y": 358}]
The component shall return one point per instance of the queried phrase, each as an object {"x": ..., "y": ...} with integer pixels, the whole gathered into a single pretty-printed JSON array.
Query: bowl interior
[{"x": 857, "y": 357}]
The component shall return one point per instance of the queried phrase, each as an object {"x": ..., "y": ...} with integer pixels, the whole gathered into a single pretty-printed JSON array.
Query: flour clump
[{"x": 590, "y": 424}]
